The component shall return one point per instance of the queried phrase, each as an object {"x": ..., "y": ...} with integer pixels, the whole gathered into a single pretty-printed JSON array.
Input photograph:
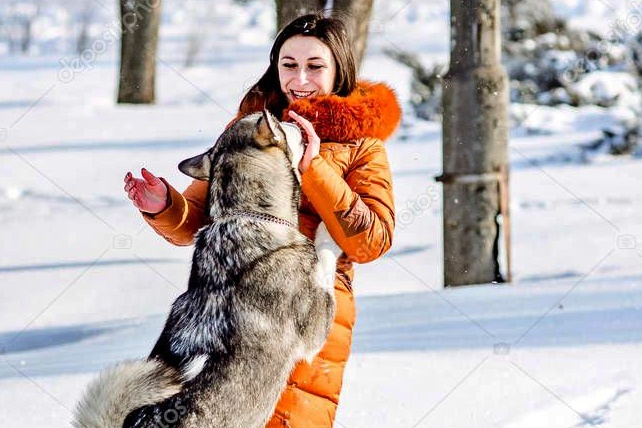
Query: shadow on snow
[
  {"x": 84, "y": 264},
  {"x": 444, "y": 320}
]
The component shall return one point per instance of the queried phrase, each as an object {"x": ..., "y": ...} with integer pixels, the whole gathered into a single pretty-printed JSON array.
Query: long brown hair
[{"x": 266, "y": 93}]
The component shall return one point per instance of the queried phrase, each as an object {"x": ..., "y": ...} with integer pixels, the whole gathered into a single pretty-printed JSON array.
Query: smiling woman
[
  {"x": 306, "y": 68},
  {"x": 309, "y": 41},
  {"x": 346, "y": 183}
]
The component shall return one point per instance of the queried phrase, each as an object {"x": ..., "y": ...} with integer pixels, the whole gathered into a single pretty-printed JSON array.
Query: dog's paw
[
  {"x": 324, "y": 241},
  {"x": 328, "y": 253},
  {"x": 309, "y": 358}
]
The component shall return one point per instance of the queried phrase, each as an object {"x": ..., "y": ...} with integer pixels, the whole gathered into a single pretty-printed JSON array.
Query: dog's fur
[{"x": 259, "y": 299}]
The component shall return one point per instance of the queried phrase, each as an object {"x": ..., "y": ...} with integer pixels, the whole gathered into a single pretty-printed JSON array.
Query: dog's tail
[{"x": 123, "y": 388}]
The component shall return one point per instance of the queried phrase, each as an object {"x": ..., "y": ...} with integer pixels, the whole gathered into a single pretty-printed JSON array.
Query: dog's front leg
[{"x": 328, "y": 253}]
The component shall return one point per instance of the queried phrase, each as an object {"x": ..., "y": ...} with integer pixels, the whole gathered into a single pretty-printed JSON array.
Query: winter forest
[{"x": 553, "y": 338}]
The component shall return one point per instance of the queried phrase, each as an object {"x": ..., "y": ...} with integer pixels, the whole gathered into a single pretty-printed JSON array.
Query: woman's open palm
[{"x": 149, "y": 194}]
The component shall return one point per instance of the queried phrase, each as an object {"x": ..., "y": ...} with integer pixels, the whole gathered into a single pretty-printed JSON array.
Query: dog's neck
[
  {"x": 264, "y": 188},
  {"x": 256, "y": 216}
]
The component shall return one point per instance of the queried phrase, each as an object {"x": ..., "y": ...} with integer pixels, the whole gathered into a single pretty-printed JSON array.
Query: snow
[{"x": 85, "y": 283}]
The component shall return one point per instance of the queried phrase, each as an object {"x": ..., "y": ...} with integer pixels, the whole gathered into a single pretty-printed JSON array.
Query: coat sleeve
[
  {"x": 183, "y": 216},
  {"x": 358, "y": 210}
]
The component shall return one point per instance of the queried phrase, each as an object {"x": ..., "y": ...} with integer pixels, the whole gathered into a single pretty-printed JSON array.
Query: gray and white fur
[{"x": 260, "y": 298}]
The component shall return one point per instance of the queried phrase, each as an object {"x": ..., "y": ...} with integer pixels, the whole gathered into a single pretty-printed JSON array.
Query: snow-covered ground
[{"x": 86, "y": 283}]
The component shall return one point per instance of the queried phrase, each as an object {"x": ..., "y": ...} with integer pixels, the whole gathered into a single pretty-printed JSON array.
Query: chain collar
[{"x": 258, "y": 216}]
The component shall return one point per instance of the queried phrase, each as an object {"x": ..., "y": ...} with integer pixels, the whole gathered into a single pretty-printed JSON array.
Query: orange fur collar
[{"x": 371, "y": 110}]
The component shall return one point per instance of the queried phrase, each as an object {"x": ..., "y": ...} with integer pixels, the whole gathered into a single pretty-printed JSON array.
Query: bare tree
[
  {"x": 27, "y": 35},
  {"x": 17, "y": 25},
  {"x": 355, "y": 14},
  {"x": 140, "y": 21},
  {"x": 85, "y": 18},
  {"x": 530, "y": 17},
  {"x": 475, "y": 139}
]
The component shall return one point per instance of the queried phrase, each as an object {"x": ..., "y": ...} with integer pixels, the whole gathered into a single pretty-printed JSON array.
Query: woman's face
[{"x": 306, "y": 68}]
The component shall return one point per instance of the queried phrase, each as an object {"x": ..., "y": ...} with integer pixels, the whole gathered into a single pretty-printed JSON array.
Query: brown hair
[{"x": 266, "y": 93}]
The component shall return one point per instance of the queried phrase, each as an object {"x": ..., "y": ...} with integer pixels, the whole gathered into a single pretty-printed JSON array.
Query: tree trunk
[
  {"x": 475, "y": 139},
  {"x": 83, "y": 41},
  {"x": 354, "y": 13},
  {"x": 27, "y": 28},
  {"x": 140, "y": 21},
  {"x": 287, "y": 10}
]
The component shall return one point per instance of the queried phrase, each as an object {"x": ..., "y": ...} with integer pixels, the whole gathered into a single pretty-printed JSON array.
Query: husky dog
[{"x": 260, "y": 298}]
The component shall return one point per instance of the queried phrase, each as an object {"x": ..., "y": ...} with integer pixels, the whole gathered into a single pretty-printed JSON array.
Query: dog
[{"x": 259, "y": 299}]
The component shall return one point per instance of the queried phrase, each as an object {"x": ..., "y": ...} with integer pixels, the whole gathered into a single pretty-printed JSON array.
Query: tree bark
[
  {"x": 287, "y": 10},
  {"x": 475, "y": 142},
  {"x": 356, "y": 15},
  {"x": 140, "y": 22}
]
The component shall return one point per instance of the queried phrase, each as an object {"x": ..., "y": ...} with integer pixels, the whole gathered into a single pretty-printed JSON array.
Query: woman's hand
[
  {"x": 148, "y": 194},
  {"x": 313, "y": 141}
]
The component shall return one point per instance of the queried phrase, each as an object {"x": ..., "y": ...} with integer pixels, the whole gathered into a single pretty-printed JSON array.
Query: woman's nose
[{"x": 302, "y": 77}]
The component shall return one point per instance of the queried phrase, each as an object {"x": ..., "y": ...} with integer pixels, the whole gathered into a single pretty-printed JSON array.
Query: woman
[{"x": 346, "y": 183}]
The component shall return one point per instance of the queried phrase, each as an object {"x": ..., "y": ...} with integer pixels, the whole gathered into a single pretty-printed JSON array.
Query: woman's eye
[
  {"x": 289, "y": 65},
  {"x": 315, "y": 66}
]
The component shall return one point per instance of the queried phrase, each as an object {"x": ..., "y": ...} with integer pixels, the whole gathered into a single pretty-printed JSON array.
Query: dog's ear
[
  {"x": 268, "y": 132},
  {"x": 197, "y": 167}
]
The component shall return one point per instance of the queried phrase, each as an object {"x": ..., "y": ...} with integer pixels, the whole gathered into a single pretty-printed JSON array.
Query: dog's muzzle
[
  {"x": 292, "y": 132},
  {"x": 295, "y": 143}
]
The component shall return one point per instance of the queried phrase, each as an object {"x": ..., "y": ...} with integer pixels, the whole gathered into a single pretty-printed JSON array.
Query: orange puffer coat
[{"x": 349, "y": 187}]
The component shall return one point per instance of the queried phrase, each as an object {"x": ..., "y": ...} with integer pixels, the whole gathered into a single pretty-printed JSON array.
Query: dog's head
[
  {"x": 253, "y": 166},
  {"x": 258, "y": 131}
]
